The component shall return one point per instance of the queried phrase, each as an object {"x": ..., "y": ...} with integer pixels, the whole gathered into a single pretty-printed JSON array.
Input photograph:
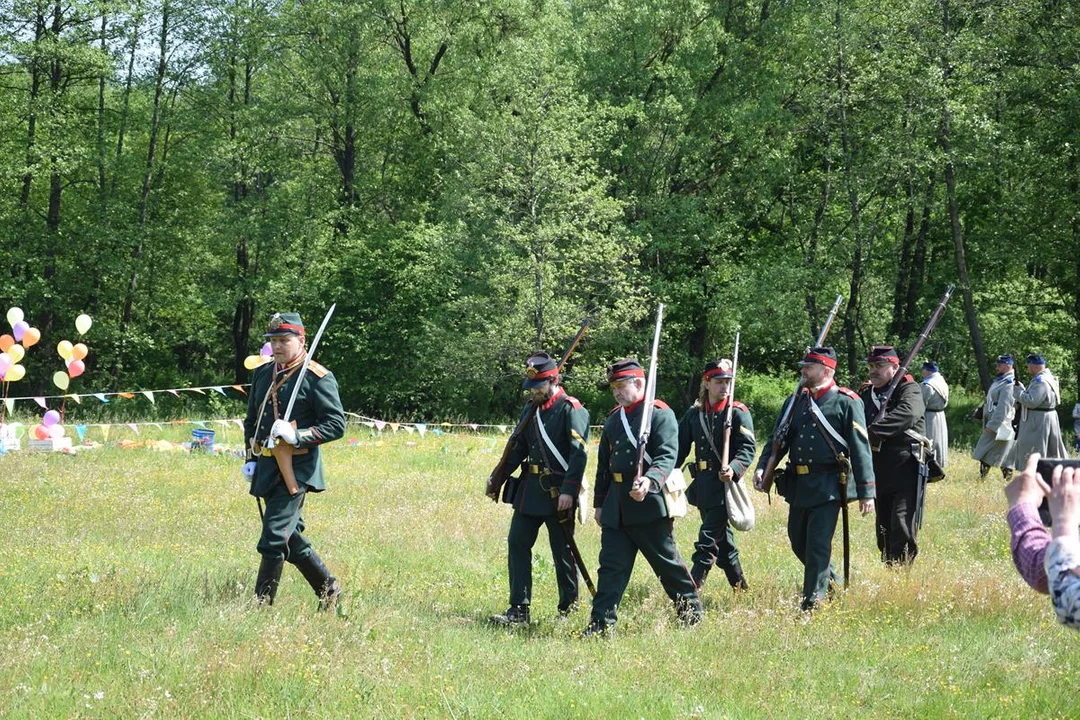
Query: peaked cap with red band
[
  {"x": 821, "y": 356},
  {"x": 285, "y": 324},
  {"x": 883, "y": 353},
  {"x": 624, "y": 370},
  {"x": 539, "y": 368},
  {"x": 718, "y": 368}
]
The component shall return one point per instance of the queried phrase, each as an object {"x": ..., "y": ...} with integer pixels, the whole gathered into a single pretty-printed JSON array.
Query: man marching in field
[
  {"x": 554, "y": 448},
  {"x": 1040, "y": 429},
  {"x": 995, "y": 445},
  {"x": 630, "y": 510},
  {"x": 827, "y": 428},
  {"x": 703, "y": 425},
  {"x": 896, "y": 467},
  {"x": 283, "y": 477},
  {"x": 935, "y": 395}
]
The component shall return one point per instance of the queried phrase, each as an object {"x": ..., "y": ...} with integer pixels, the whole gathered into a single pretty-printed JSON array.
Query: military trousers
[
  {"x": 283, "y": 525},
  {"x": 810, "y": 531},
  {"x": 895, "y": 514},
  {"x": 716, "y": 542},
  {"x": 618, "y": 551},
  {"x": 520, "y": 540}
]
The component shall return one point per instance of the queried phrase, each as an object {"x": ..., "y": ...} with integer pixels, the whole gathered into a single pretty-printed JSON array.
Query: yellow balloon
[
  {"x": 14, "y": 315},
  {"x": 16, "y": 353},
  {"x": 83, "y": 323},
  {"x": 63, "y": 348},
  {"x": 78, "y": 352},
  {"x": 15, "y": 373},
  {"x": 60, "y": 379},
  {"x": 252, "y": 361}
]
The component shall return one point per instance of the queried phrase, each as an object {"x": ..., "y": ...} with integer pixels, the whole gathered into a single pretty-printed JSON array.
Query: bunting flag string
[{"x": 42, "y": 400}]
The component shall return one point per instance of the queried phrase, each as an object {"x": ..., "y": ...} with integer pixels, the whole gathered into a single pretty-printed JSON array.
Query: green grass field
[{"x": 125, "y": 584}]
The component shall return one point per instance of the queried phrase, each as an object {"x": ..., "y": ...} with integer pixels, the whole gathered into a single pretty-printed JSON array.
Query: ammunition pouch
[
  {"x": 784, "y": 480},
  {"x": 510, "y": 488}
]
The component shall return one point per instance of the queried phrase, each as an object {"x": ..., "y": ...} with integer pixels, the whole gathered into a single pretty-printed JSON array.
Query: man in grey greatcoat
[
  {"x": 935, "y": 395},
  {"x": 1040, "y": 429},
  {"x": 995, "y": 446}
]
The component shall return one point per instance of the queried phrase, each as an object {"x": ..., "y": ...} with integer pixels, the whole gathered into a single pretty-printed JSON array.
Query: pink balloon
[
  {"x": 76, "y": 368},
  {"x": 5, "y": 363},
  {"x": 266, "y": 351},
  {"x": 19, "y": 328},
  {"x": 56, "y": 431},
  {"x": 51, "y": 418}
]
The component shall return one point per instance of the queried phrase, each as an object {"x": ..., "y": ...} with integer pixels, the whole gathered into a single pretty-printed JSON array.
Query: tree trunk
[{"x": 945, "y": 141}]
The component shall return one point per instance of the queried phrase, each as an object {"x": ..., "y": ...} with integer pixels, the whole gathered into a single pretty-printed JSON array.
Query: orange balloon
[
  {"x": 31, "y": 337},
  {"x": 78, "y": 352},
  {"x": 6, "y": 341}
]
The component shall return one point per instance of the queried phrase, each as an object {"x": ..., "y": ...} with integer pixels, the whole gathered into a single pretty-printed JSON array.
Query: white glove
[
  {"x": 283, "y": 430},
  {"x": 248, "y": 469}
]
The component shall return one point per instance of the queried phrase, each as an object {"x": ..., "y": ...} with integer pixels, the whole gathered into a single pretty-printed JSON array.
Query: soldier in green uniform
[
  {"x": 630, "y": 510},
  {"x": 552, "y": 451},
  {"x": 317, "y": 418},
  {"x": 703, "y": 425},
  {"x": 811, "y": 482}
]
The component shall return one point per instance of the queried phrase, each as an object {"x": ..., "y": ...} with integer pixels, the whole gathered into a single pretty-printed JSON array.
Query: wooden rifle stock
[
  {"x": 768, "y": 474},
  {"x": 500, "y": 474},
  {"x": 935, "y": 317}
]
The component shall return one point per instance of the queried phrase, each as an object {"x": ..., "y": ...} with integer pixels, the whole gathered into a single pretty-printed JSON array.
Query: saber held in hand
[{"x": 283, "y": 452}]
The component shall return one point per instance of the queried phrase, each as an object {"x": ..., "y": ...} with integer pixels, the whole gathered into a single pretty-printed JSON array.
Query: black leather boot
[
  {"x": 325, "y": 585},
  {"x": 698, "y": 573},
  {"x": 736, "y": 578},
  {"x": 515, "y": 616},
  {"x": 266, "y": 584}
]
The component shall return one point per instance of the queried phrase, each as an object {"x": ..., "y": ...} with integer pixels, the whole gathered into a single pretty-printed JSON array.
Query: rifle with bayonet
[
  {"x": 502, "y": 473},
  {"x": 650, "y": 396},
  {"x": 782, "y": 427},
  {"x": 899, "y": 376},
  {"x": 729, "y": 413}
]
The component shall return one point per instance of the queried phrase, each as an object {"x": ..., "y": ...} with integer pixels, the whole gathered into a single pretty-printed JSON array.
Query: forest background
[{"x": 468, "y": 179}]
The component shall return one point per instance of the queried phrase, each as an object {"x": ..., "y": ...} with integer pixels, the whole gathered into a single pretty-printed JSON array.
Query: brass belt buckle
[{"x": 802, "y": 469}]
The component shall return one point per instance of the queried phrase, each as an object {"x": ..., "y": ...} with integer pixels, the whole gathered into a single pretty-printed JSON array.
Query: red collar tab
[
  {"x": 824, "y": 389},
  {"x": 718, "y": 407},
  {"x": 559, "y": 392}
]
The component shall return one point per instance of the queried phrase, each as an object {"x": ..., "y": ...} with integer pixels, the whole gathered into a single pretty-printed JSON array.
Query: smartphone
[{"x": 1045, "y": 468}]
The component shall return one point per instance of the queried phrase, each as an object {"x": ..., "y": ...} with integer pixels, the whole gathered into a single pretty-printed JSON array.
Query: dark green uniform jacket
[
  {"x": 811, "y": 478},
  {"x": 894, "y": 467},
  {"x": 317, "y": 413},
  {"x": 707, "y": 489},
  {"x": 618, "y": 465},
  {"x": 566, "y": 423}
]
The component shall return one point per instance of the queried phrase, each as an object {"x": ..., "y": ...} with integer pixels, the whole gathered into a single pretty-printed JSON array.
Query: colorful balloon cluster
[
  {"x": 72, "y": 355},
  {"x": 50, "y": 427},
  {"x": 11, "y": 351},
  {"x": 265, "y": 355}
]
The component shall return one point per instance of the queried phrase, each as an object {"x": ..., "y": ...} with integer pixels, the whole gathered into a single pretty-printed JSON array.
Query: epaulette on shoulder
[
  {"x": 738, "y": 405},
  {"x": 850, "y": 393},
  {"x": 908, "y": 378},
  {"x": 661, "y": 404},
  {"x": 574, "y": 402},
  {"x": 317, "y": 370}
]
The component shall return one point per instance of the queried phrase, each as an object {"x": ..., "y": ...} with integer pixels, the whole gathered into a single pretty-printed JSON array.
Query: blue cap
[
  {"x": 930, "y": 366},
  {"x": 1005, "y": 360},
  {"x": 1036, "y": 359}
]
